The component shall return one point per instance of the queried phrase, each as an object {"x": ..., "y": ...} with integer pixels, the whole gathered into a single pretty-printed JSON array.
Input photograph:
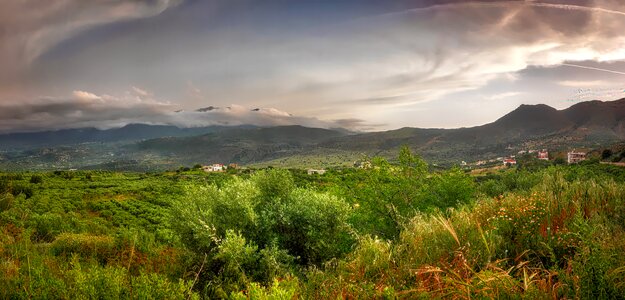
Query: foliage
[
  {"x": 395, "y": 230},
  {"x": 259, "y": 228}
]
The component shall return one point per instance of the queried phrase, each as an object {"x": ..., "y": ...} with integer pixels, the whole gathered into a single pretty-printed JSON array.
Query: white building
[
  {"x": 575, "y": 157},
  {"x": 543, "y": 155},
  {"x": 314, "y": 171},
  {"x": 509, "y": 161},
  {"x": 214, "y": 168}
]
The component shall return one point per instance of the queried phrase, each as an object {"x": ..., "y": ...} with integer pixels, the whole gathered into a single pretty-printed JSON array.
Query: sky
[{"x": 364, "y": 65}]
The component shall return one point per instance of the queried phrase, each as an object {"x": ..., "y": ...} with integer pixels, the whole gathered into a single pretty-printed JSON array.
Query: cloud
[
  {"x": 82, "y": 109},
  {"x": 503, "y": 95},
  {"x": 358, "y": 124},
  {"x": 140, "y": 92},
  {"x": 85, "y": 109},
  {"x": 30, "y": 27},
  {"x": 583, "y": 84},
  {"x": 242, "y": 115},
  {"x": 597, "y": 93},
  {"x": 433, "y": 57},
  {"x": 85, "y": 96},
  {"x": 594, "y": 69},
  {"x": 376, "y": 68}
]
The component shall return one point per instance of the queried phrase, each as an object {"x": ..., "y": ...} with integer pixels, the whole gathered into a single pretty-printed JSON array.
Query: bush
[
  {"x": 449, "y": 189},
  {"x": 18, "y": 189},
  {"x": 273, "y": 184},
  {"x": 84, "y": 245},
  {"x": 278, "y": 290},
  {"x": 256, "y": 229},
  {"x": 607, "y": 153},
  {"x": 6, "y": 201},
  {"x": 47, "y": 226},
  {"x": 36, "y": 179},
  {"x": 204, "y": 216},
  {"x": 87, "y": 282},
  {"x": 305, "y": 222}
]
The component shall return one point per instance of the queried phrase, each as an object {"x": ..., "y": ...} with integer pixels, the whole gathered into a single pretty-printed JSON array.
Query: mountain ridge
[{"x": 585, "y": 124}]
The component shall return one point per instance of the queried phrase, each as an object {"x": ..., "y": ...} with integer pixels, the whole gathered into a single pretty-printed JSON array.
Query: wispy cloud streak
[{"x": 594, "y": 69}]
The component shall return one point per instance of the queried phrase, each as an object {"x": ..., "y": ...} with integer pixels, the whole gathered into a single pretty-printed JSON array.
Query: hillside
[
  {"x": 240, "y": 145},
  {"x": 128, "y": 133},
  {"x": 585, "y": 124},
  {"x": 590, "y": 124}
]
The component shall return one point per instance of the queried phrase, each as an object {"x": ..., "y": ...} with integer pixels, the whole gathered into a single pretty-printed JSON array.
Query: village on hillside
[{"x": 572, "y": 157}]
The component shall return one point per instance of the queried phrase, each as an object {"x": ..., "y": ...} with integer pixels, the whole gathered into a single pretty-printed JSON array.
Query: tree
[
  {"x": 36, "y": 179},
  {"x": 412, "y": 164},
  {"x": 450, "y": 189},
  {"x": 278, "y": 222},
  {"x": 607, "y": 153}
]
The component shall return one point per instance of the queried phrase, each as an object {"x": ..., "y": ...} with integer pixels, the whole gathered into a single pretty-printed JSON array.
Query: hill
[
  {"x": 590, "y": 124},
  {"x": 586, "y": 124},
  {"x": 130, "y": 132},
  {"x": 240, "y": 145}
]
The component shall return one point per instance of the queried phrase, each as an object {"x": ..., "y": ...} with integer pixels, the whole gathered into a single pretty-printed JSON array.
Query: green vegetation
[{"x": 392, "y": 230}]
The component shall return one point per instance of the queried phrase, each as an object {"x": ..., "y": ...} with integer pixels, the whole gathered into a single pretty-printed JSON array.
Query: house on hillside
[
  {"x": 509, "y": 161},
  {"x": 214, "y": 168},
  {"x": 362, "y": 164},
  {"x": 543, "y": 155},
  {"x": 575, "y": 157},
  {"x": 315, "y": 171}
]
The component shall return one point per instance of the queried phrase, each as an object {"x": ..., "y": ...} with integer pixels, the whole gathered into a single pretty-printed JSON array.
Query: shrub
[
  {"x": 36, "y": 179},
  {"x": 89, "y": 281},
  {"x": 607, "y": 153},
  {"x": 449, "y": 189},
  {"x": 47, "y": 226},
  {"x": 305, "y": 222},
  {"x": 6, "y": 201},
  {"x": 84, "y": 245},
  {"x": 204, "y": 216},
  {"x": 18, "y": 189},
  {"x": 278, "y": 290},
  {"x": 256, "y": 229},
  {"x": 273, "y": 184}
]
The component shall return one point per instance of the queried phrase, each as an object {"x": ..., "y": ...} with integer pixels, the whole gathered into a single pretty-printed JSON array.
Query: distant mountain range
[
  {"x": 130, "y": 132},
  {"x": 587, "y": 124}
]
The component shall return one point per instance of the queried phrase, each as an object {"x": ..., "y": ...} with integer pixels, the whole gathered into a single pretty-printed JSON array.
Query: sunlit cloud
[
  {"x": 583, "y": 84},
  {"x": 86, "y": 96},
  {"x": 503, "y": 95}
]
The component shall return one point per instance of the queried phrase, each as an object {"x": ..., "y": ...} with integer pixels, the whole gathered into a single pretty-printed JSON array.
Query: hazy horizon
[{"x": 275, "y": 125}]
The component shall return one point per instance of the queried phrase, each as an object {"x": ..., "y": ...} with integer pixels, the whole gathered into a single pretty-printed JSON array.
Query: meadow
[{"x": 397, "y": 230}]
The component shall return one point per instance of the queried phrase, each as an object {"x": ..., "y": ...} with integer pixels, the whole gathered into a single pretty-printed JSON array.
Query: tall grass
[{"x": 563, "y": 239}]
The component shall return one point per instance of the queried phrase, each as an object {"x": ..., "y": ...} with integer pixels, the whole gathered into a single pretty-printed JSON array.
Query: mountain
[
  {"x": 590, "y": 124},
  {"x": 527, "y": 127},
  {"x": 240, "y": 145},
  {"x": 586, "y": 124},
  {"x": 128, "y": 133},
  {"x": 598, "y": 117}
]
